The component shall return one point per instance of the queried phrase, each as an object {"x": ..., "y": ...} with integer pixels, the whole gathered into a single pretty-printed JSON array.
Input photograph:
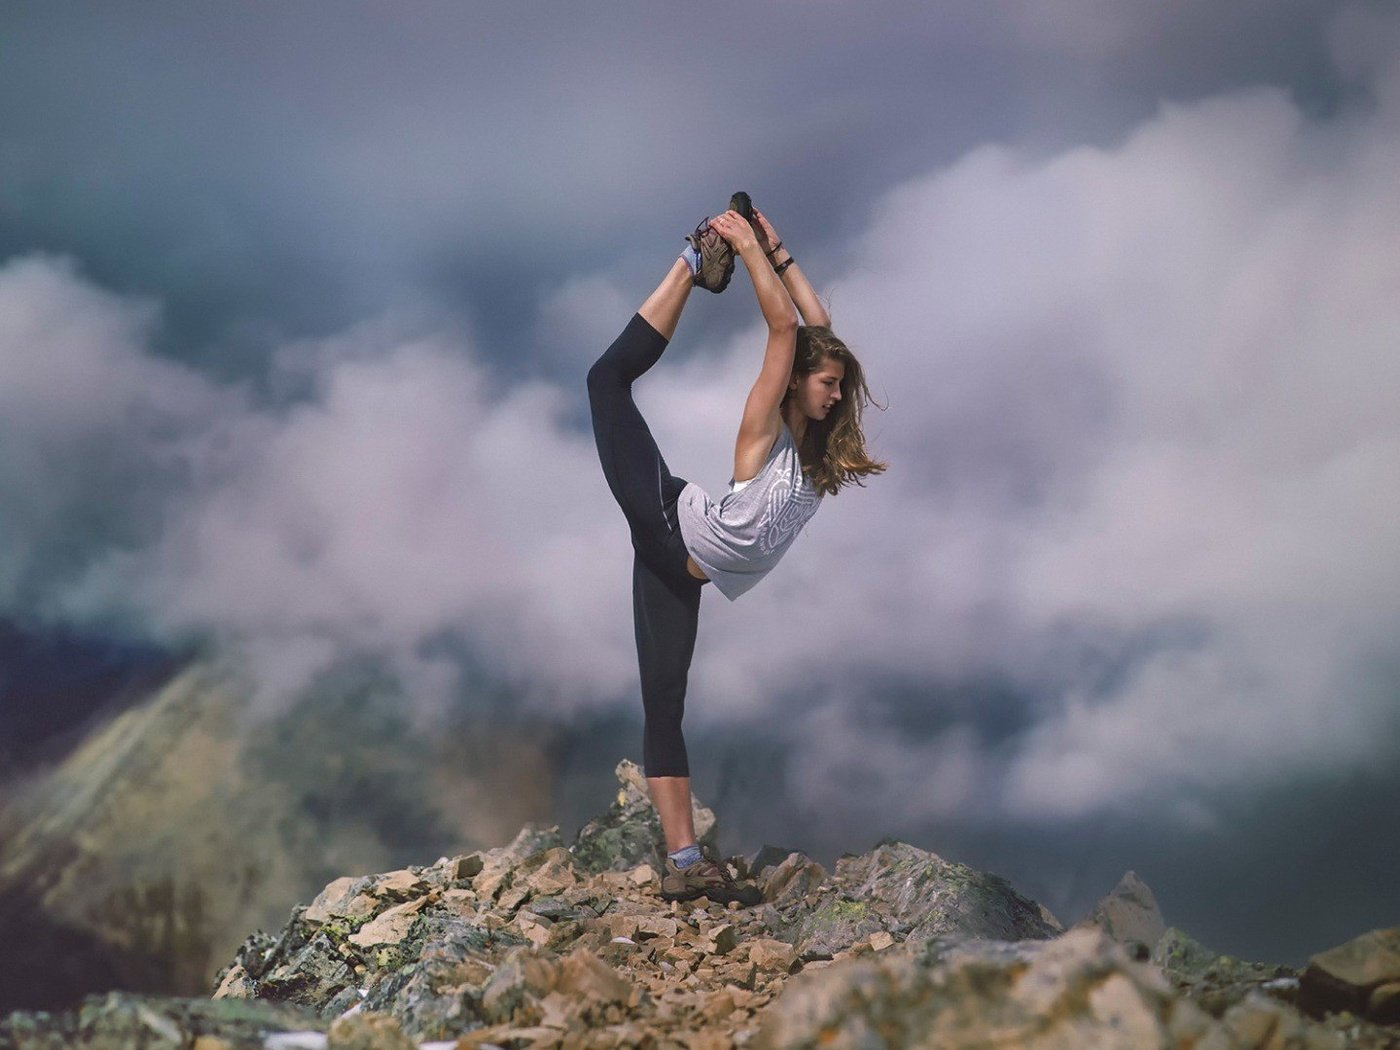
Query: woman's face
[{"x": 818, "y": 392}]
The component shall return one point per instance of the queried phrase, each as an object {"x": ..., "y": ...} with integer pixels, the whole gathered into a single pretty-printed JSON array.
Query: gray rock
[
  {"x": 438, "y": 994},
  {"x": 629, "y": 833},
  {"x": 1217, "y": 982},
  {"x": 310, "y": 977},
  {"x": 924, "y": 896},
  {"x": 123, "y": 1019},
  {"x": 1129, "y": 914},
  {"x": 833, "y": 926}
]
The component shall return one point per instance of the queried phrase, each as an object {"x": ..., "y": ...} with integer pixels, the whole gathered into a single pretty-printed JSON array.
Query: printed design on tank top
[{"x": 789, "y": 506}]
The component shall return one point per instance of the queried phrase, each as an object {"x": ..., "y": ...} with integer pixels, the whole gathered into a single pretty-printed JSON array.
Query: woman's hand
[
  {"x": 767, "y": 236},
  {"x": 735, "y": 229}
]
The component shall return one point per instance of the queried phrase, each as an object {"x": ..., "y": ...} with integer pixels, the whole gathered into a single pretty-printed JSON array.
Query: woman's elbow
[{"x": 785, "y": 324}]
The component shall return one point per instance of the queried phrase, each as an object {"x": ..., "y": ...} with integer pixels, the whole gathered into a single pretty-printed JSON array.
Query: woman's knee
[{"x": 602, "y": 377}]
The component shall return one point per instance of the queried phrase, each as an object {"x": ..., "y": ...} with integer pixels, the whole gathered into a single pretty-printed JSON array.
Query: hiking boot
[
  {"x": 706, "y": 878},
  {"x": 716, "y": 258}
]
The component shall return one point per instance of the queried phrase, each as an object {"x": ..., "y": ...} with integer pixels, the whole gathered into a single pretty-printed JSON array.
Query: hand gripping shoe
[
  {"x": 716, "y": 258},
  {"x": 707, "y": 877}
]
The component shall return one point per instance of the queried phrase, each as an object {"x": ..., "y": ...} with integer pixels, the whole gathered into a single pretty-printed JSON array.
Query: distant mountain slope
[{"x": 143, "y": 858}]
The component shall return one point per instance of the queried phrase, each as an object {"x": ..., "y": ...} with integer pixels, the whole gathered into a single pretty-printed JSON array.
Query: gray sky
[{"x": 295, "y": 308}]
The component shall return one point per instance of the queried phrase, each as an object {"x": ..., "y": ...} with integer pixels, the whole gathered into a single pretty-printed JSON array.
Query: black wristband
[
  {"x": 780, "y": 268},
  {"x": 773, "y": 249}
]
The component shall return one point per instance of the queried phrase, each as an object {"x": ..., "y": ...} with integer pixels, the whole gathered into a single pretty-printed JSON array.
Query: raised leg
[{"x": 663, "y": 307}]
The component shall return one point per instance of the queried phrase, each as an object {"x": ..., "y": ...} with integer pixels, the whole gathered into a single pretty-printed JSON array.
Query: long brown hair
[{"x": 833, "y": 449}]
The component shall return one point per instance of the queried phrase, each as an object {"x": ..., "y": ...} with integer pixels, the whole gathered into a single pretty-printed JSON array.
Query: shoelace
[{"x": 723, "y": 872}]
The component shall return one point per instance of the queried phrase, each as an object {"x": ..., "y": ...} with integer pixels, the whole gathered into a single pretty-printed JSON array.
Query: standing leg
[
  {"x": 665, "y": 601},
  {"x": 666, "y": 613}
]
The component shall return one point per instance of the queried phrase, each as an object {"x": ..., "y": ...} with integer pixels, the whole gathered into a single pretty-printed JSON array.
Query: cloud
[
  {"x": 1141, "y": 432},
  {"x": 301, "y": 177}
]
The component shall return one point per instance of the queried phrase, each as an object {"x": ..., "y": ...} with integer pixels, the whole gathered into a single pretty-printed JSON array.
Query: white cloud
[{"x": 1142, "y": 442}]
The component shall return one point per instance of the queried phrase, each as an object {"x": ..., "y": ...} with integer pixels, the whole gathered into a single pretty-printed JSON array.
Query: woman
[{"x": 799, "y": 439}]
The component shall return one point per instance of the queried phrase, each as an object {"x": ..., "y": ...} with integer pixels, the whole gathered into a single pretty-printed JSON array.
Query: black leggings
[{"x": 665, "y": 597}]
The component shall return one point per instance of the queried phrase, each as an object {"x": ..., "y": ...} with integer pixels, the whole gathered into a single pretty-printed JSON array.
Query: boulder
[
  {"x": 794, "y": 877},
  {"x": 1361, "y": 976},
  {"x": 1129, "y": 914},
  {"x": 926, "y": 896},
  {"x": 629, "y": 833}
]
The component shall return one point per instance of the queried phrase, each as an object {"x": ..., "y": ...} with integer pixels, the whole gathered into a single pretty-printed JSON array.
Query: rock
[
  {"x": 1258, "y": 1021},
  {"x": 921, "y": 892},
  {"x": 313, "y": 973},
  {"x": 724, "y": 939},
  {"x": 498, "y": 866},
  {"x": 584, "y": 975},
  {"x": 1383, "y": 1006},
  {"x": 1345, "y": 977},
  {"x": 1217, "y": 982},
  {"x": 548, "y": 872},
  {"x": 124, "y": 1019},
  {"x": 364, "y": 1031},
  {"x": 400, "y": 885},
  {"x": 1078, "y": 990},
  {"x": 796, "y": 876},
  {"x": 890, "y": 949},
  {"x": 1129, "y": 914},
  {"x": 438, "y": 995},
  {"x": 835, "y": 926},
  {"x": 524, "y": 975},
  {"x": 465, "y": 867},
  {"x": 390, "y": 927},
  {"x": 768, "y": 954},
  {"x": 767, "y": 857},
  {"x": 347, "y": 898},
  {"x": 630, "y": 832}
]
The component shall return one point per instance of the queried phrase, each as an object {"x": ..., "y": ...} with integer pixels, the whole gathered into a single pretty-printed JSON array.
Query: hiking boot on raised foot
[
  {"x": 715, "y": 258},
  {"x": 707, "y": 877}
]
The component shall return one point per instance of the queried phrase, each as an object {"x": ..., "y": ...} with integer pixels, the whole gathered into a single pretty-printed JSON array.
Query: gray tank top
[{"x": 738, "y": 540}]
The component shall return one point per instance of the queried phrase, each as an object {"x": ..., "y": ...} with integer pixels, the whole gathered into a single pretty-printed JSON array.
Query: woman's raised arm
[
  {"x": 759, "y": 427},
  {"x": 794, "y": 280}
]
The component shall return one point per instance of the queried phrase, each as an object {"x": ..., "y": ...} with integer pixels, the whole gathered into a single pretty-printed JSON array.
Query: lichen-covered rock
[
  {"x": 924, "y": 896},
  {"x": 629, "y": 833},
  {"x": 522, "y": 946},
  {"x": 898, "y": 889},
  {"x": 149, "y": 1022},
  {"x": 834, "y": 926},
  {"x": 1217, "y": 982}
]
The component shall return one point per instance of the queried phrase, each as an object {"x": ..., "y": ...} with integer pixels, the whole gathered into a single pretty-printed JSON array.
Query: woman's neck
[{"x": 796, "y": 421}]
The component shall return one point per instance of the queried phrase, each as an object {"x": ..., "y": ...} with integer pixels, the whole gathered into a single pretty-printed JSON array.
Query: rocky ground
[{"x": 535, "y": 944}]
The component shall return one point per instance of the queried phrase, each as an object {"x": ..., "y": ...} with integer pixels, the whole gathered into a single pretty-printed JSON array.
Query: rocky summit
[{"x": 539, "y": 944}]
